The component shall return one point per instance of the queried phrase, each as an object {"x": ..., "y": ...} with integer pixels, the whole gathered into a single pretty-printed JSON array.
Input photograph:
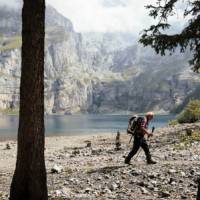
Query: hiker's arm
[{"x": 145, "y": 131}]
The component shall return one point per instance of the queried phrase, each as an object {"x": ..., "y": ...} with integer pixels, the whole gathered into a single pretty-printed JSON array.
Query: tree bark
[
  {"x": 198, "y": 192},
  {"x": 29, "y": 180}
]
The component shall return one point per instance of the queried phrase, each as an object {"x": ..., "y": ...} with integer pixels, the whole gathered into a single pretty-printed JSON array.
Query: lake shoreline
[
  {"x": 112, "y": 113},
  {"x": 78, "y": 124}
]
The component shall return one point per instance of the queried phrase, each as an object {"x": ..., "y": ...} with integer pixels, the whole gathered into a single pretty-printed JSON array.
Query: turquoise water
[{"x": 78, "y": 124}]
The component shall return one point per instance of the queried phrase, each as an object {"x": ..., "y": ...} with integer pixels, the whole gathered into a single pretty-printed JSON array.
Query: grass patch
[
  {"x": 10, "y": 111},
  {"x": 68, "y": 170},
  {"x": 173, "y": 122},
  {"x": 186, "y": 141},
  {"x": 10, "y": 43}
]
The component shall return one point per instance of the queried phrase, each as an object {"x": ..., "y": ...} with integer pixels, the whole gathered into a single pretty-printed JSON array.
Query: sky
[
  {"x": 105, "y": 15},
  {"x": 111, "y": 15}
]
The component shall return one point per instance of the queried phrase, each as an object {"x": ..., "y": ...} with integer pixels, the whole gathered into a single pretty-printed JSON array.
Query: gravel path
[{"x": 98, "y": 172}]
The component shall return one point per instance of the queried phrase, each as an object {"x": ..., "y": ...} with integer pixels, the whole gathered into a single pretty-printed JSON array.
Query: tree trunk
[
  {"x": 198, "y": 193},
  {"x": 29, "y": 180}
]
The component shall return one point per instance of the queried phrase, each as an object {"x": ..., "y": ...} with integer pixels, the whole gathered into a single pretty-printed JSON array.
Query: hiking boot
[
  {"x": 151, "y": 162},
  {"x": 127, "y": 162}
]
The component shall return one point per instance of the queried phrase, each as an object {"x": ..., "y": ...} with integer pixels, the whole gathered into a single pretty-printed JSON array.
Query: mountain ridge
[{"x": 96, "y": 72}]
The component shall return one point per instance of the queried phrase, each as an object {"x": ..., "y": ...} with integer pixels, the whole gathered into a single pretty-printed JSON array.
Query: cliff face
[
  {"x": 93, "y": 72},
  {"x": 149, "y": 82}
]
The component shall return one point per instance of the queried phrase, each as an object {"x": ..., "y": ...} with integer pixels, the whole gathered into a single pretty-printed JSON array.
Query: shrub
[
  {"x": 191, "y": 113},
  {"x": 173, "y": 122},
  {"x": 186, "y": 141}
]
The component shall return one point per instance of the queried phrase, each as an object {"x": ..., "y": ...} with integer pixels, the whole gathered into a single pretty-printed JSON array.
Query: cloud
[
  {"x": 11, "y": 3},
  {"x": 104, "y": 15},
  {"x": 115, "y": 3}
]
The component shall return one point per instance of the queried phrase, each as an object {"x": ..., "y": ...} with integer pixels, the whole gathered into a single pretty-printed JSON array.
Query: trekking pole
[
  {"x": 130, "y": 139},
  {"x": 152, "y": 131}
]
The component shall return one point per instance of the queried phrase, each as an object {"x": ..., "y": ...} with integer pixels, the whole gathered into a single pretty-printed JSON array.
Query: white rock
[
  {"x": 183, "y": 174},
  {"x": 57, "y": 169},
  {"x": 172, "y": 171},
  {"x": 113, "y": 186},
  {"x": 144, "y": 190},
  {"x": 88, "y": 190},
  {"x": 58, "y": 193}
]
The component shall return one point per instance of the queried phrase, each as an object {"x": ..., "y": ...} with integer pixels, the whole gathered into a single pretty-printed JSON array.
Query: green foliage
[
  {"x": 173, "y": 122},
  {"x": 10, "y": 111},
  {"x": 156, "y": 36},
  {"x": 68, "y": 170},
  {"x": 191, "y": 113},
  {"x": 186, "y": 141},
  {"x": 10, "y": 43}
]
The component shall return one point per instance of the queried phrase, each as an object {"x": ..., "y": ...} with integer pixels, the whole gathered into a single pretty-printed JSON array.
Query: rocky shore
[{"x": 90, "y": 167}]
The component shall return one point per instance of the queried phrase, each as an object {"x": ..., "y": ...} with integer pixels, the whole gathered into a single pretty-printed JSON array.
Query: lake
[{"x": 78, "y": 124}]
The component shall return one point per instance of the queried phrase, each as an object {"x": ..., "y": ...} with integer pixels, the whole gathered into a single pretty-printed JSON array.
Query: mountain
[{"x": 93, "y": 72}]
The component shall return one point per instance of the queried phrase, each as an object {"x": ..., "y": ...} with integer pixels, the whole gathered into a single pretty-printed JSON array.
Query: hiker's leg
[
  {"x": 145, "y": 147},
  {"x": 136, "y": 146}
]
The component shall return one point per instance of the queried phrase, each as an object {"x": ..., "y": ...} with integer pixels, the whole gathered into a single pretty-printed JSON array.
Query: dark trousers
[{"x": 139, "y": 142}]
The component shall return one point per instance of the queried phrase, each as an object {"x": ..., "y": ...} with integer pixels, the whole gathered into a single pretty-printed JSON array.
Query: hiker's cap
[{"x": 150, "y": 114}]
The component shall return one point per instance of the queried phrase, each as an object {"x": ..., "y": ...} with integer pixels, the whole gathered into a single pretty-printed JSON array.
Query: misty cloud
[
  {"x": 11, "y": 3},
  {"x": 105, "y": 15},
  {"x": 115, "y": 3}
]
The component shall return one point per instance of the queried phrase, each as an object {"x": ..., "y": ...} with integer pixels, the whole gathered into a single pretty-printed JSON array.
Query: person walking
[{"x": 139, "y": 139}]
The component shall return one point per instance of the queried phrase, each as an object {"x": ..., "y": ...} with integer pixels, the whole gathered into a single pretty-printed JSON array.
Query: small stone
[
  {"x": 152, "y": 176},
  {"x": 154, "y": 183},
  {"x": 142, "y": 184},
  {"x": 182, "y": 174},
  {"x": 192, "y": 171},
  {"x": 133, "y": 181},
  {"x": 87, "y": 190},
  {"x": 171, "y": 180},
  {"x": 107, "y": 176},
  {"x": 166, "y": 157},
  {"x": 88, "y": 144},
  {"x": 164, "y": 194},
  {"x": 135, "y": 173},
  {"x": 66, "y": 183},
  {"x": 172, "y": 171},
  {"x": 58, "y": 193},
  {"x": 183, "y": 196},
  {"x": 144, "y": 190},
  {"x": 76, "y": 152},
  {"x": 113, "y": 186},
  {"x": 173, "y": 183},
  {"x": 189, "y": 131},
  {"x": 99, "y": 178},
  {"x": 155, "y": 189},
  {"x": 106, "y": 191},
  {"x": 57, "y": 169}
]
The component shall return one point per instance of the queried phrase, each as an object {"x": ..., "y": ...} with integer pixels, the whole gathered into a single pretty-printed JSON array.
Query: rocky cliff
[{"x": 93, "y": 72}]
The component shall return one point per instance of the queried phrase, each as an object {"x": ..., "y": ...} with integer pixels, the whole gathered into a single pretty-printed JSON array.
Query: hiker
[{"x": 139, "y": 139}]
